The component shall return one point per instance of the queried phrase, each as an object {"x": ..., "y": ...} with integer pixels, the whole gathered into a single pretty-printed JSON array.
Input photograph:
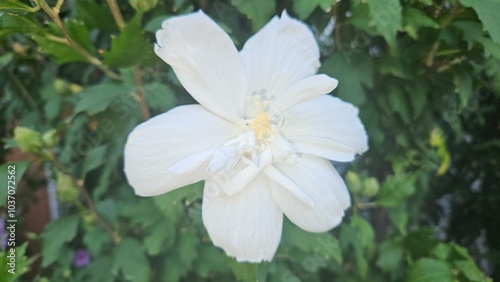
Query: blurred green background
[{"x": 77, "y": 75}]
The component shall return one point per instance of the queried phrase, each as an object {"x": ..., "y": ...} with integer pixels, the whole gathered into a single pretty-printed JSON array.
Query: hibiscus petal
[
  {"x": 154, "y": 146},
  {"x": 327, "y": 127},
  {"x": 206, "y": 62},
  {"x": 316, "y": 177},
  {"x": 306, "y": 89},
  {"x": 283, "y": 52},
  {"x": 246, "y": 225}
]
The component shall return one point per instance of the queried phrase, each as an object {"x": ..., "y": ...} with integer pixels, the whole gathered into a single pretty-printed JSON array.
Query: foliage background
[{"x": 425, "y": 74}]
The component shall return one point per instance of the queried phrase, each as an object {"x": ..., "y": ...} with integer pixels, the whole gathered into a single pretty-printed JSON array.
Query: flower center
[{"x": 261, "y": 124}]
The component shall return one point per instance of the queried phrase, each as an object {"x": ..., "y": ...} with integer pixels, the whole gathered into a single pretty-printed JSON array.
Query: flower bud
[
  {"x": 75, "y": 88},
  {"x": 66, "y": 188},
  {"x": 371, "y": 187},
  {"x": 143, "y": 5},
  {"x": 50, "y": 138},
  {"x": 29, "y": 140},
  {"x": 61, "y": 86},
  {"x": 353, "y": 182}
]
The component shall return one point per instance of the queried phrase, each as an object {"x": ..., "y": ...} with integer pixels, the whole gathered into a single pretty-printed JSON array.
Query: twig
[
  {"x": 58, "y": 6},
  {"x": 54, "y": 15},
  {"x": 90, "y": 204},
  {"x": 140, "y": 93},
  {"x": 338, "y": 44},
  {"x": 429, "y": 60},
  {"x": 117, "y": 15},
  {"x": 141, "y": 97},
  {"x": 19, "y": 85}
]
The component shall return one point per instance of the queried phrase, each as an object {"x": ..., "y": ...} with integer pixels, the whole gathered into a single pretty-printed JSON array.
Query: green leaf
[
  {"x": 80, "y": 34},
  {"x": 386, "y": 16},
  {"x": 397, "y": 103},
  {"x": 399, "y": 217},
  {"x": 95, "y": 15},
  {"x": 11, "y": 24},
  {"x": 162, "y": 235},
  {"x": 417, "y": 93},
  {"x": 98, "y": 98},
  {"x": 244, "y": 271},
  {"x": 10, "y": 174},
  {"x": 472, "y": 33},
  {"x": 94, "y": 158},
  {"x": 487, "y": 11},
  {"x": 171, "y": 203},
  {"x": 129, "y": 48},
  {"x": 187, "y": 245},
  {"x": 129, "y": 258},
  {"x": 416, "y": 17},
  {"x": 430, "y": 270},
  {"x": 209, "y": 260},
  {"x": 107, "y": 209},
  {"x": 396, "y": 189},
  {"x": 365, "y": 235},
  {"x": 323, "y": 245},
  {"x": 353, "y": 70},
  {"x": 390, "y": 256},
  {"x": 304, "y": 8},
  {"x": 15, "y": 6},
  {"x": 55, "y": 235},
  {"x": 99, "y": 269},
  {"x": 160, "y": 96},
  {"x": 95, "y": 240},
  {"x": 143, "y": 213},
  {"x": 61, "y": 52},
  {"x": 463, "y": 87},
  {"x": 20, "y": 266},
  {"x": 258, "y": 11}
]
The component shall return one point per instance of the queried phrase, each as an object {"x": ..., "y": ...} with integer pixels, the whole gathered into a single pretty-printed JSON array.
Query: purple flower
[
  {"x": 81, "y": 258},
  {"x": 3, "y": 233}
]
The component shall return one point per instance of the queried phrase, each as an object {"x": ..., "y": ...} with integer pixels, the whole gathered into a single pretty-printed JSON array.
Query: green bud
[
  {"x": 61, "y": 86},
  {"x": 143, "y": 5},
  {"x": 50, "y": 138},
  {"x": 66, "y": 188},
  {"x": 353, "y": 182},
  {"x": 88, "y": 222},
  {"x": 66, "y": 273},
  {"x": 371, "y": 186},
  {"x": 75, "y": 88},
  {"x": 29, "y": 140}
]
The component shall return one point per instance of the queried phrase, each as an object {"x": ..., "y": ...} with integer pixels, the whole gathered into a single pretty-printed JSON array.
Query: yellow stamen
[{"x": 261, "y": 124}]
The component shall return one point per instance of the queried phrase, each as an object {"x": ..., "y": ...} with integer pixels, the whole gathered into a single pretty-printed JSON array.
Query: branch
[
  {"x": 140, "y": 93},
  {"x": 141, "y": 97},
  {"x": 88, "y": 200},
  {"x": 54, "y": 15}
]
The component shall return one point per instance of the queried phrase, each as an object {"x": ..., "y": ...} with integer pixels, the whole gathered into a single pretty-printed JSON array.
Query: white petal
[
  {"x": 289, "y": 184},
  {"x": 206, "y": 62},
  {"x": 316, "y": 177},
  {"x": 246, "y": 225},
  {"x": 306, "y": 89},
  {"x": 243, "y": 177},
  {"x": 154, "y": 146},
  {"x": 327, "y": 127},
  {"x": 283, "y": 52}
]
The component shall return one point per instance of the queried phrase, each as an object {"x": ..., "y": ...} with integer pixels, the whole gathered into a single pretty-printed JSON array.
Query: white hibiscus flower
[{"x": 261, "y": 137}]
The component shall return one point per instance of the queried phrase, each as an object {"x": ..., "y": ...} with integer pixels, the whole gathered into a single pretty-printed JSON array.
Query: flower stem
[
  {"x": 53, "y": 13},
  {"x": 88, "y": 200}
]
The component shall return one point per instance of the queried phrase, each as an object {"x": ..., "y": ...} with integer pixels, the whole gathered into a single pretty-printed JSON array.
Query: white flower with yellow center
[{"x": 261, "y": 137}]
